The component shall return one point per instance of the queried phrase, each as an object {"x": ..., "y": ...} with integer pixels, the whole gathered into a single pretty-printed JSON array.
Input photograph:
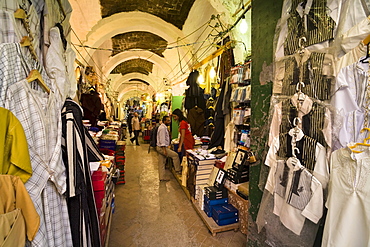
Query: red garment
[{"x": 188, "y": 140}]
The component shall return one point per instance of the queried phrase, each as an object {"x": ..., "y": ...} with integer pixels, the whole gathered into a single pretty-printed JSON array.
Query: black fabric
[
  {"x": 91, "y": 104},
  {"x": 196, "y": 120},
  {"x": 81, "y": 207},
  {"x": 194, "y": 94},
  {"x": 217, "y": 138}
]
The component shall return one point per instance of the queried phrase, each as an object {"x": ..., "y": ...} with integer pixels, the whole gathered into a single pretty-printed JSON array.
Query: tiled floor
[{"x": 153, "y": 213}]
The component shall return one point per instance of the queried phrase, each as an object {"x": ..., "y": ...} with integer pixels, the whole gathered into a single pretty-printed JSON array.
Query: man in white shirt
[
  {"x": 163, "y": 142},
  {"x": 136, "y": 128}
]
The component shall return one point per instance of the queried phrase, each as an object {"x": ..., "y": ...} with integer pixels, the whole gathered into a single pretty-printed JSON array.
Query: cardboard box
[{"x": 226, "y": 211}]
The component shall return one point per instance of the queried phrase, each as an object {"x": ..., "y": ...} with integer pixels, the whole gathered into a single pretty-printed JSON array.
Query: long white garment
[
  {"x": 230, "y": 143},
  {"x": 55, "y": 63},
  {"x": 40, "y": 116},
  {"x": 349, "y": 99},
  {"x": 347, "y": 221}
]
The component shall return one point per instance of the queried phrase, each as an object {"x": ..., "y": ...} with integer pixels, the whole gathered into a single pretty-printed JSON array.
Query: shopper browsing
[
  {"x": 163, "y": 143},
  {"x": 186, "y": 139},
  {"x": 135, "y": 123}
]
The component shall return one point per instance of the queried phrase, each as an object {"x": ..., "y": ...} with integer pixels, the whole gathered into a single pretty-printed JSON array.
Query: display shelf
[
  {"x": 210, "y": 223},
  {"x": 110, "y": 212}
]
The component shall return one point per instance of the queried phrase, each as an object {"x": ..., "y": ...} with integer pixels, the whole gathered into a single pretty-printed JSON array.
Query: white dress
[{"x": 348, "y": 218}]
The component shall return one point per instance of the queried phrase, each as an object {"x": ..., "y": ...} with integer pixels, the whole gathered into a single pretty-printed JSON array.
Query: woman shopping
[{"x": 186, "y": 140}]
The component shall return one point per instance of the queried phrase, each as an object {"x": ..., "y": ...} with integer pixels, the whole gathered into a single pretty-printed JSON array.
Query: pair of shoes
[{"x": 137, "y": 144}]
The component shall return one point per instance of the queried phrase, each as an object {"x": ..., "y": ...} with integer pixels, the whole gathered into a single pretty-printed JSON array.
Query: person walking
[
  {"x": 186, "y": 139},
  {"x": 135, "y": 123},
  {"x": 163, "y": 143},
  {"x": 129, "y": 119}
]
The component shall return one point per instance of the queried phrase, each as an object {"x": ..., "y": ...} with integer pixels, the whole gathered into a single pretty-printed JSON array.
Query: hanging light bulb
[
  {"x": 200, "y": 79},
  {"x": 243, "y": 26},
  {"x": 212, "y": 72}
]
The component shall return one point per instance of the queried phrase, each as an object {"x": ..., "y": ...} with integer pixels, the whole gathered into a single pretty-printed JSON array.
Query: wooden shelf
[
  {"x": 178, "y": 178},
  {"x": 210, "y": 223}
]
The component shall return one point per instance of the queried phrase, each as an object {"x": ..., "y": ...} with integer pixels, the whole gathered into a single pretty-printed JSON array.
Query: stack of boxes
[
  {"x": 216, "y": 201},
  {"x": 203, "y": 170},
  {"x": 239, "y": 173},
  {"x": 120, "y": 160},
  {"x": 104, "y": 197}
]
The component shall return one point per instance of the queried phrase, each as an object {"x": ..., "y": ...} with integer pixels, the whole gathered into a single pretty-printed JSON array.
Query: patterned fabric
[
  {"x": 317, "y": 85},
  {"x": 313, "y": 122},
  {"x": 39, "y": 115},
  {"x": 7, "y": 30},
  {"x": 81, "y": 204},
  {"x": 11, "y": 70},
  {"x": 306, "y": 146},
  {"x": 308, "y": 18}
]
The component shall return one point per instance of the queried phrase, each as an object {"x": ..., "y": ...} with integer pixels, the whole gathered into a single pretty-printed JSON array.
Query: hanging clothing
[
  {"x": 196, "y": 120},
  {"x": 230, "y": 142},
  {"x": 297, "y": 195},
  {"x": 348, "y": 201},
  {"x": 39, "y": 114},
  {"x": 194, "y": 94},
  {"x": 14, "y": 148},
  {"x": 91, "y": 105},
  {"x": 350, "y": 100},
  {"x": 217, "y": 138},
  {"x": 315, "y": 69},
  {"x": 55, "y": 63},
  {"x": 18, "y": 217},
  {"x": 316, "y": 119},
  {"x": 312, "y": 156},
  {"x": 76, "y": 157},
  {"x": 308, "y": 19}
]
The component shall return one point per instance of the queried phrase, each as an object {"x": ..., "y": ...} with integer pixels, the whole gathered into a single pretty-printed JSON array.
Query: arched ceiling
[
  {"x": 172, "y": 11},
  {"x": 145, "y": 43},
  {"x": 138, "y": 40}
]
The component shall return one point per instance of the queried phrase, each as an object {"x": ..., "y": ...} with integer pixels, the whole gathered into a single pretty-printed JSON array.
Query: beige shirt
[{"x": 135, "y": 123}]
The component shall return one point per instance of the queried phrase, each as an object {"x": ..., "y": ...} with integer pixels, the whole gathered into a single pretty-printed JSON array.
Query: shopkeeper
[
  {"x": 163, "y": 143},
  {"x": 186, "y": 139}
]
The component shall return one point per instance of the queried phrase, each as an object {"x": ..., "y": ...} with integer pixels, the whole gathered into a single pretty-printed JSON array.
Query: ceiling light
[
  {"x": 200, "y": 79},
  {"x": 243, "y": 26},
  {"x": 212, "y": 72}
]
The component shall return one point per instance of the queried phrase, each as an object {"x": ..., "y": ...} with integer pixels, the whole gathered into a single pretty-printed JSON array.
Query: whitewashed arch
[
  {"x": 123, "y": 96},
  {"x": 118, "y": 80},
  {"x": 125, "y": 22},
  {"x": 158, "y": 61}
]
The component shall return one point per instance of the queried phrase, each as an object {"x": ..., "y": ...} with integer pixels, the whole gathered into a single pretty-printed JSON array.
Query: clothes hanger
[
  {"x": 36, "y": 76},
  {"x": 20, "y": 14},
  {"x": 364, "y": 60},
  {"x": 364, "y": 143},
  {"x": 300, "y": 94}
]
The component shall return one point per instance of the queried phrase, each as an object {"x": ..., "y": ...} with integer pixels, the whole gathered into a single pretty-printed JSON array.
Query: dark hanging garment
[
  {"x": 316, "y": 25},
  {"x": 218, "y": 137},
  {"x": 196, "y": 120},
  {"x": 78, "y": 149},
  {"x": 91, "y": 105},
  {"x": 194, "y": 94},
  {"x": 317, "y": 85}
]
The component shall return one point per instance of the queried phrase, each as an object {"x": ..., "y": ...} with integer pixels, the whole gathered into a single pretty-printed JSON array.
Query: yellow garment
[
  {"x": 14, "y": 155},
  {"x": 13, "y": 196},
  {"x": 12, "y": 230}
]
